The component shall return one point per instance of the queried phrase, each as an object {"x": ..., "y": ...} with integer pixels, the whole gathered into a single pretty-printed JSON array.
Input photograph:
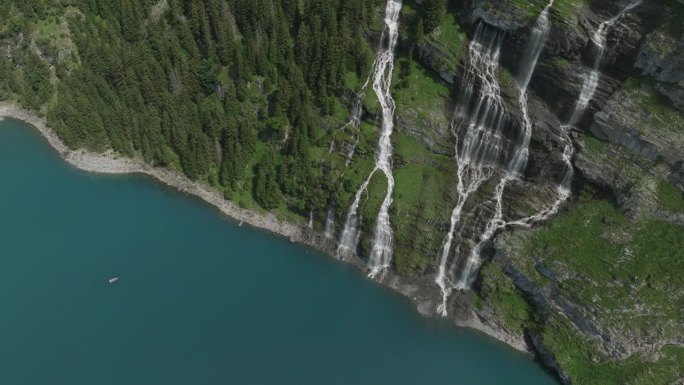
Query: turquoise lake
[{"x": 200, "y": 300}]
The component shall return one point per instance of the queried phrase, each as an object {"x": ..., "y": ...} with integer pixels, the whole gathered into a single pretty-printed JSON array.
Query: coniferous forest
[
  {"x": 199, "y": 85},
  {"x": 247, "y": 96},
  {"x": 533, "y": 175}
]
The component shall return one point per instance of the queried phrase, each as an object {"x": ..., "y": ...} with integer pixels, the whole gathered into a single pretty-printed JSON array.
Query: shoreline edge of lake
[{"x": 423, "y": 294}]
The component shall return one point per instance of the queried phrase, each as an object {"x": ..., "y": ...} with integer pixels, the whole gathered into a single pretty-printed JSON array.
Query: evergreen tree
[
  {"x": 434, "y": 13},
  {"x": 266, "y": 191},
  {"x": 196, "y": 85}
]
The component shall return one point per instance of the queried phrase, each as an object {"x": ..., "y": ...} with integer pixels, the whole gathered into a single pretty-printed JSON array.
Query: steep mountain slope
[{"x": 272, "y": 104}]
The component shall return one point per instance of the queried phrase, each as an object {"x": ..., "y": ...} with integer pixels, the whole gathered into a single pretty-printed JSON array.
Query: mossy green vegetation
[
  {"x": 586, "y": 365},
  {"x": 595, "y": 238},
  {"x": 506, "y": 80},
  {"x": 498, "y": 292},
  {"x": 670, "y": 197},
  {"x": 561, "y": 63},
  {"x": 516, "y": 11},
  {"x": 566, "y": 9},
  {"x": 531, "y": 8},
  {"x": 424, "y": 176},
  {"x": 449, "y": 36},
  {"x": 420, "y": 93},
  {"x": 252, "y": 98},
  {"x": 423, "y": 182},
  {"x": 445, "y": 40},
  {"x": 663, "y": 116},
  {"x": 675, "y": 24},
  {"x": 624, "y": 274},
  {"x": 525, "y": 11},
  {"x": 207, "y": 88},
  {"x": 595, "y": 145}
]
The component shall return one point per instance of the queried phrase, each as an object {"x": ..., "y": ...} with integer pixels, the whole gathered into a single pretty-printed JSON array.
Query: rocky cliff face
[
  {"x": 596, "y": 290},
  {"x": 662, "y": 57},
  {"x": 590, "y": 275}
]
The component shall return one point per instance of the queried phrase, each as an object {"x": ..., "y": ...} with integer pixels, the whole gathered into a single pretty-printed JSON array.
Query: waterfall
[
  {"x": 355, "y": 121},
  {"x": 483, "y": 140},
  {"x": 518, "y": 162},
  {"x": 483, "y": 116},
  {"x": 330, "y": 223},
  {"x": 383, "y": 69},
  {"x": 591, "y": 79},
  {"x": 355, "y": 116},
  {"x": 586, "y": 95},
  {"x": 310, "y": 224},
  {"x": 381, "y": 254},
  {"x": 494, "y": 224},
  {"x": 534, "y": 47},
  {"x": 599, "y": 36},
  {"x": 588, "y": 89},
  {"x": 533, "y": 50},
  {"x": 563, "y": 187},
  {"x": 519, "y": 159},
  {"x": 349, "y": 238},
  {"x": 474, "y": 180}
]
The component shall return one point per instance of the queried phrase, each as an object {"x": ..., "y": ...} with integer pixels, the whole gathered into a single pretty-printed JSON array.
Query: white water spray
[
  {"x": 563, "y": 188},
  {"x": 381, "y": 254},
  {"x": 530, "y": 58},
  {"x": 383, "y": 69},
  {"x": 586, "y": 95},
  {"x": 534, "y": 47},
  {"x": 354, "y": 121},
  {"x": 482, "y": 143},
  {"x": 518, "y": 162},
  {"x": 588, "y": 89},
  {"x": 330, "y": 223},
  {"x": 474, "y": 180},
  {"x": 591, "y": 79},
  {"x": 349, "y": 238}
]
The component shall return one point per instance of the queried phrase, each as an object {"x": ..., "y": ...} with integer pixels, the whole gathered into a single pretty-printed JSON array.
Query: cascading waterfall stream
[
  {"x": 534, "y": 47},
  {"x": 354, "y": 120},
  {"x": 381, "y": 254},
  {"x": 463, "y": 193},
  {"x": 349, "y": 237},
  {"x": 355, "y": 116},
  {"x": 563, "y": 188},
  {"x": 329, "y": 231},
  {"x": 530, "y": 58},
  {"x": 588, "y": 90},
  {"x": 518, "y": 162},
  {"x": 483, "y": 141},
  {"x": 586, "y": 95},
  {"x": 591, "y": 80},
  {"x": 383, "y": 70},
  {"x": 479, "y": 144}
]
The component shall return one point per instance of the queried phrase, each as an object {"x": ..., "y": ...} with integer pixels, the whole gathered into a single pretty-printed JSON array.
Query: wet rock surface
[{"x": 629, "y": 140}]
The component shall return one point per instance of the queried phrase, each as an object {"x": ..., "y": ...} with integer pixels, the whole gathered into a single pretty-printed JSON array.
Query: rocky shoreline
[{"x": 423, "y": 294}]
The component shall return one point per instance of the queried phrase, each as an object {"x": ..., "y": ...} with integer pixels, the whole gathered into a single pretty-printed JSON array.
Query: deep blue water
[{"x": 200, "y": 300}]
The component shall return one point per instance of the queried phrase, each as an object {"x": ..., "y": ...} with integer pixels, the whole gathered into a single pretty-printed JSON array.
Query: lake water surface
[{"x": 200, "y": 300}]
